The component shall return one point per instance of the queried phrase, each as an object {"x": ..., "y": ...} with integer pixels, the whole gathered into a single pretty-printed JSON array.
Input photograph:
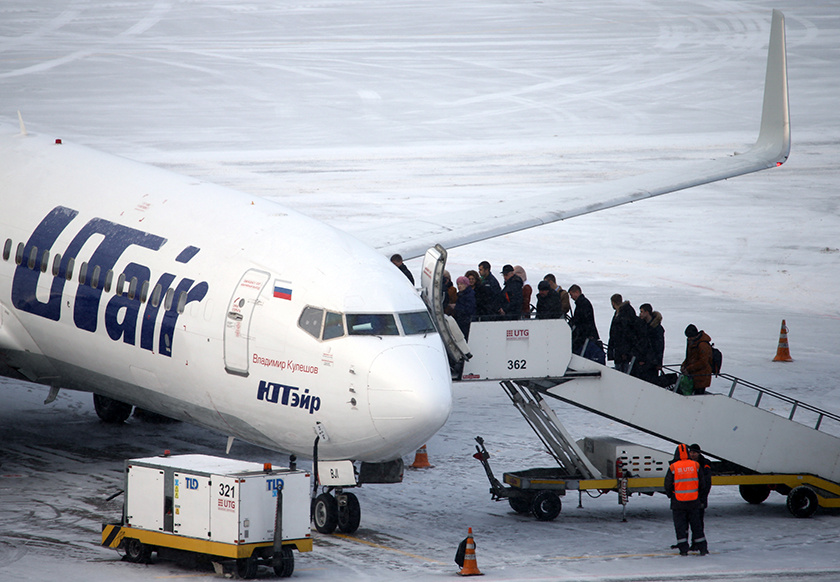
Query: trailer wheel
[
  {"x": 111, "y": 411},
  {"x": 246, "y": 568},
  {"x": 349, "y": 513},
  {"x": 325, "y": 513},
  {"x": 802, "y": 501},
  {"x": 520, "y": 504},
  {"x": 546, "y": 505},
  {"x": 754, "y": 494},
  {"x": 284, "y": 563},
  {"x": 137, "y": 552}
]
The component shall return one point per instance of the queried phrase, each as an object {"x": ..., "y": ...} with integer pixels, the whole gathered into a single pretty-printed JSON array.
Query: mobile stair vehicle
[{"x": 786, "y": 449}]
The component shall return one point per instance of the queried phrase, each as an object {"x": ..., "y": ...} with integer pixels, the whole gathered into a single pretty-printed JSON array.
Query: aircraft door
[
  {"x": 238, "y": 320},
  {"x": 431, "y": 286}
]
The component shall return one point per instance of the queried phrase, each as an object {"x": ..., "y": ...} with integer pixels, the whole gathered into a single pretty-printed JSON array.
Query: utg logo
[{"x": 517, "y": 334}]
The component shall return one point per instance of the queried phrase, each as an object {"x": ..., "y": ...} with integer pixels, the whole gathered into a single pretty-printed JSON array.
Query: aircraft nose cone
[{"x": 409, "y": 395}]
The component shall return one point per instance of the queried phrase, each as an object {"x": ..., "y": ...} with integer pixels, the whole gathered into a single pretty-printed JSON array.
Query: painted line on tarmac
[
  {"x": 614, "y": 556},
  {"x": 381, "y": 547}
]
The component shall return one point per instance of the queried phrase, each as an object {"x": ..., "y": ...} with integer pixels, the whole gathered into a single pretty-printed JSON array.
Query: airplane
[{"x": 225, "y": 310}]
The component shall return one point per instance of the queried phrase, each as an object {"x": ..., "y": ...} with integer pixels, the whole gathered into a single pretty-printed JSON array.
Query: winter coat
[
  {"x": 583, "y": 324},
  {"x": 650, "y": 362},
  {"x": 626, "y": 338},
  {"x": 511, "y": 299},
  {"x": 526, "y": 300},
  {"x": 465, "y": 310},
  {"x": 549, "y": 307},
  {"x": 487, "y": 296},
  {"x": 698, "y": 361}
]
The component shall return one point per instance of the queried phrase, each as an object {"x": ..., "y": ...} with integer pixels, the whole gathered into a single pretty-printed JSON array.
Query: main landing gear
[{"x": 111, "y": 411}]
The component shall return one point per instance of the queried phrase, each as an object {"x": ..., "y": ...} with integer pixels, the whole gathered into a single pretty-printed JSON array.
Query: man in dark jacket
[
  {"x": 511, "y": 299},
  {"x": 398, "y": 263},
  {"x": 698, "y": 358},
  {"x": 487, "y": 293},
  {"x": 626, "y": 340},
  {"x": 548, "y": 302},
  {"x": 584, "y": 328},
  {"x": 686, "y": 486},
  {"x": 650, "y": 362}
]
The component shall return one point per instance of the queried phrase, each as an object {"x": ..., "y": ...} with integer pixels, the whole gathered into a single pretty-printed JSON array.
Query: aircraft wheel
[
  {"x": 247, "y": 567},
  {"x": 325, "y": 513},
  {"x": 802, "y": 501},
  {"x": 520, "y": 504},
  {"x": 137, "y": 552},
  {"x": 546, "y": 505},
  {"x": 754, "y": 494},
  {"x": 284, "y": 563},
  {"x": 111, "y": 411},
  {"x": 349, "y": 513}
]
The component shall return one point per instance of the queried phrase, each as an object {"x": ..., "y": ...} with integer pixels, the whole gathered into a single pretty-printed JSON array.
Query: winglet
[
  {"x": 774, "y": 136},
  {"x": 22, "y": 126}
]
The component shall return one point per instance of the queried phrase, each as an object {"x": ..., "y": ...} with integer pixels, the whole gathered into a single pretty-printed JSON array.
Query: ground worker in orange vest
[{"x": 687, "y": 485}]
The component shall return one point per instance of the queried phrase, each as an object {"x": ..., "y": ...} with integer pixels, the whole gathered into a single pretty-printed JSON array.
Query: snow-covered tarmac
[{"x": 364, "y": 111}]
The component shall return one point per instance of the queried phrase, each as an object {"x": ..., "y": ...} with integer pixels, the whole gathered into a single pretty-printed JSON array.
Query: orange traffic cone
[
  {"x": 470, "y": 567},
  {"x": 783, "y": 352},
  {"x": 421, "y": 459}
]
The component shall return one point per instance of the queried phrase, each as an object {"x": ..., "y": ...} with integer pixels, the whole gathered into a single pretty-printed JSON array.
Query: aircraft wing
[{"x": 412, "y": 238}]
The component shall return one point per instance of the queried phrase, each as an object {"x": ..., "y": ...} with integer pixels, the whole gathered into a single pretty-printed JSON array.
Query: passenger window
[
  {"x": 167, "y": 302},
  {"x": 132, "y": 288},
  {"x": 83, "y": 273},
  {"x": 182, "y": 301},
  {"x": 156, "y": 295},
  {"x": 71, "y": 262},
  {"x": 45, "y": 260},
  {"x": 416, "y": 322},
  {"x": 120, "y": 284},
  {"x": 333, "y": 325},
  {"x": 19, "y": 254},
  {"x": 109, "y": 278},
  {"x": 144, "y": 291},
  {"x": 310, "y": 321},
  {"x": 33, "y": 255},
  {"x": 94, "y": 279},
  {"x": 56, "y": 264},
  {"x": 7, "y": 249},
  {"x": 371, "y": 324}
]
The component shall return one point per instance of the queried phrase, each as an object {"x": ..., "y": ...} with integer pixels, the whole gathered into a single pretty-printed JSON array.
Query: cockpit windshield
[
  {"x": 371, "y": 324},
  {"x": 416, "y": 322},
  {"x": 326, "y": 325}
]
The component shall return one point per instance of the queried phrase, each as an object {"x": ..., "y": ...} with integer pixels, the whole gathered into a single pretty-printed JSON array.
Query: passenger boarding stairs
[
  {"x": 533, "y": 359},
  {"x": 727, "y": 428}
]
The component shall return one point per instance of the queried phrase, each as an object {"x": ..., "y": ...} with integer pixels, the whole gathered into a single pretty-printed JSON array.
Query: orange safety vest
[{"x": 686, "y": 479}]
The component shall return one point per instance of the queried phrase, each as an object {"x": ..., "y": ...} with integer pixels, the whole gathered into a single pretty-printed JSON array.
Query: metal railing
[{"x": 763, "y": 395}]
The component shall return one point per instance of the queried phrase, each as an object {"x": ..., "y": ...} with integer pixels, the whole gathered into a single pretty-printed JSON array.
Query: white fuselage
[{"x": 210, "y": 306}]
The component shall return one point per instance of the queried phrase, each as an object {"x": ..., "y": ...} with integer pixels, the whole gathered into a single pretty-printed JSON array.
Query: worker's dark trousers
[{"x": 683, "y": 518}]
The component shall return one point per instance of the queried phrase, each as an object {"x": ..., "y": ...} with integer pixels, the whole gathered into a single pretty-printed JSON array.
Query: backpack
[{"x": 717, "y": 359}]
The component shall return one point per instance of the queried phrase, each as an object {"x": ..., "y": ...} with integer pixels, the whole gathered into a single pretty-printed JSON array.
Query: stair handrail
[{"x": 796, "y": 404}]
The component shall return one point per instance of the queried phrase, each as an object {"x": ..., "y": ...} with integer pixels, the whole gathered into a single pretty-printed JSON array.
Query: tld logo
[
  {"x": 274, "y": 485},
  {"x": 191, "y": 483}
]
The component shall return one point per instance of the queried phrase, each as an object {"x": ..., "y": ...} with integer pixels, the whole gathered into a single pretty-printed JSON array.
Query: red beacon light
[
  {"x": 266, "y": 467},
  {"x": 57, "y": 141}
]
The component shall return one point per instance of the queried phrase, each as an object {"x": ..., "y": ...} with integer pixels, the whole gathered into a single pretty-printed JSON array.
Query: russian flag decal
[{"x": 283, "y": 289}]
